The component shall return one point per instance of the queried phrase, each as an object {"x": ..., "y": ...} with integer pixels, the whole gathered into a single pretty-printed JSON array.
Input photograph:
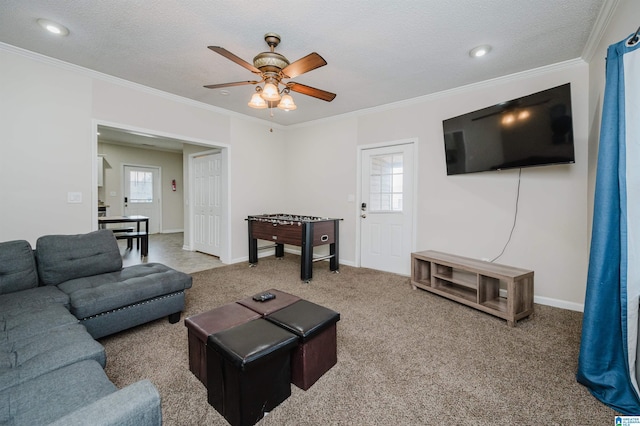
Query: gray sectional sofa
[{"x": 55, "y": 301}]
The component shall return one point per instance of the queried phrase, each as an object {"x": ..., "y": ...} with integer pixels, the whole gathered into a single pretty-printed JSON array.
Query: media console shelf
[{"x": 499, "y": 290}]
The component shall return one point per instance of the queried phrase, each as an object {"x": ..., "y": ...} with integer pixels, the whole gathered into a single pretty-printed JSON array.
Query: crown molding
[
  {"x": 559, "y": 66},
  {"x": 602, "y": 21},
  {"x": 129, "y": 84},
  {"x": 381, "y": 108}
]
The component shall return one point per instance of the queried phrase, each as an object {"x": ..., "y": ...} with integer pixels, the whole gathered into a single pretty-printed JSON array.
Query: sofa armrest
[{"x": 136, "y": 405}]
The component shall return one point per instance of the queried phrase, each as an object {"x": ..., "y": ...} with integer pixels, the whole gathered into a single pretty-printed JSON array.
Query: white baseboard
[
  {"x": 556, "y": 303},
  {"x": 171, "y": 231}
]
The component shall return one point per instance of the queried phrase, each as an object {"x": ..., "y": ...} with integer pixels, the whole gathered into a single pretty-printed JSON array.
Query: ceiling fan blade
[
  {"x": 302, "y": 65},
  {"x": 311, "y": 91},
  {"x": 224, "y": 52},
  {"x": 237, "y": 83}
]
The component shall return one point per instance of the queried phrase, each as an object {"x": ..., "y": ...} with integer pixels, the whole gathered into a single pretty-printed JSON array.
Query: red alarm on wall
[{"x": 173, "y": 185}]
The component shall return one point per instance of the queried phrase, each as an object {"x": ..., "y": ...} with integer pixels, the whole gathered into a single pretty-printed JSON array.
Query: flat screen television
[{"x": 533, "y": 130}]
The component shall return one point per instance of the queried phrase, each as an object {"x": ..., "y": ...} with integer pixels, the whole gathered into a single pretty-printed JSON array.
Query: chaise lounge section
[{"x": 103, "y": 295}]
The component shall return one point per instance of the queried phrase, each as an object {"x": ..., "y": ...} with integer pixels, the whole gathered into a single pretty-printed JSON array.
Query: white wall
[
  {"x": 257, "y": 173},
  {"x": 45, "y": 149},
  {"x": 470, "y": 215},
  {"x": 116, "y": 101},
  {"x": 49, "y": 111},
  {"x": 320, "y": 177}
]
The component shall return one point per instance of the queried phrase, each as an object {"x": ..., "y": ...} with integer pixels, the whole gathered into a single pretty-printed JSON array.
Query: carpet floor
[{"x": 405, "y": 357}]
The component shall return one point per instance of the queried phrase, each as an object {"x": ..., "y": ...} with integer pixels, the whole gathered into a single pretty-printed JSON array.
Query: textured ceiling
[{"x": 378, "y": 51}]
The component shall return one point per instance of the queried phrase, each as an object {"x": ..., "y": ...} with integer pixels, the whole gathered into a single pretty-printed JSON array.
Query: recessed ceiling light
[
  {"x": 224, "y": 92},
  {"x": 53, "y": 27},
  {"x": 480, "y": 51}
]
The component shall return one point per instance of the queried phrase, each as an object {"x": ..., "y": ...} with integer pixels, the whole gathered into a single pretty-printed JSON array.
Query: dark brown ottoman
[
  {"x": 316, "y": 352},
  {"x": 249, "y": 370},
  {"x": 265, "y": 308},
  {"x": 202, "y": 325}
]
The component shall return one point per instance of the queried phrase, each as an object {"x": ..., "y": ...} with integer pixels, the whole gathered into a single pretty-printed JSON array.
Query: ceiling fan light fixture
[
  {"x": 286, "y": 103},
  {"x": 270, "y": 92},
  {"x": 272, "y": 68},
  {"x": 257, "y": 102}
]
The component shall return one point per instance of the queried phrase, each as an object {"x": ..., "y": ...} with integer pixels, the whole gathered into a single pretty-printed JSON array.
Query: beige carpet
[{"x": 405, "y": 357}]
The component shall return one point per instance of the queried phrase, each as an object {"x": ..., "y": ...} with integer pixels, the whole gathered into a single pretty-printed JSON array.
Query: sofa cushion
[
  {"x": 65, "y": 257},
  {"x": 135, "y": 405},
  {"x": 31, "y": 357},
  {"x": 53, "y": 395},
  {"x": 17, "y": 325},
  {"x": 17, "y": 266},
  {"x": 37, "y": 297},
  {"x": 101, "y": 293}
]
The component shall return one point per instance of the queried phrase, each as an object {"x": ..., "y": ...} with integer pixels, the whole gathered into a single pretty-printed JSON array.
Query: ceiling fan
[{"x": 272, "y": 68}]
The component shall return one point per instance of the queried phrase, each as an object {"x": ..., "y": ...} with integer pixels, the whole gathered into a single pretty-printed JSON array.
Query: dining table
[{"x": 139, "y": 234}]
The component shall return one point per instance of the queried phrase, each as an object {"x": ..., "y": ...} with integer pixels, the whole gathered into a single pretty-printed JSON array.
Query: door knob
[{"x": 363, "y": 216}]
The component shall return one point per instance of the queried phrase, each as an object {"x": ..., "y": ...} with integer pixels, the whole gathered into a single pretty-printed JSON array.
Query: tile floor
[{"x": 167, "y": 249}]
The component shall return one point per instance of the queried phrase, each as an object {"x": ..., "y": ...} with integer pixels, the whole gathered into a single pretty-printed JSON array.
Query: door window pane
[
  {"x": 141, "y": 187},
  {"x": 385, "y": 183}
]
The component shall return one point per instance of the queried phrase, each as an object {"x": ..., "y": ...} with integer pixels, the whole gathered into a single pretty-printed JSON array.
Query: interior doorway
[{"x": 137, "y": 137}]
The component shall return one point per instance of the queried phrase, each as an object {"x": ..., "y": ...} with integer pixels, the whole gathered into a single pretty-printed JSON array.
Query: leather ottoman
[
  {"x": 249, "y": 370},
  {"x": 202, "y": 325},
  {"x": 269, "y": 306},
  {"x": 316, "y": 352}
]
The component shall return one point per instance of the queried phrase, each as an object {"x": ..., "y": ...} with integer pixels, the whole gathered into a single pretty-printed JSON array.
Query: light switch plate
[{"x": 74, "y": 197}]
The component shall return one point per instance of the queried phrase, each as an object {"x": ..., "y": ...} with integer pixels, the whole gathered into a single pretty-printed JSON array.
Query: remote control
[{"x": 263, "y": 297}]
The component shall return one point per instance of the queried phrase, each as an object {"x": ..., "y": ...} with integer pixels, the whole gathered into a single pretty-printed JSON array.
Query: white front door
[
  {"x": 386, "y": 219},
  {"x": 207, "y": 208},
  {"x": 142, "y": 194}
]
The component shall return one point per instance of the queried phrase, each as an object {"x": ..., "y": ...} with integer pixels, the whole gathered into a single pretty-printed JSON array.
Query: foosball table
[{"x": 303, "y": 231}]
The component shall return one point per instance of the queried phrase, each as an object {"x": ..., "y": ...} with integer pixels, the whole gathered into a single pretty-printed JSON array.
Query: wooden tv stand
[{"x": 499, "y": 290}]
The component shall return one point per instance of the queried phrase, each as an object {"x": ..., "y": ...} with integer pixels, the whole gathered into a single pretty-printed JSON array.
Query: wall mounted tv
[{"x": 533, "y": 130}]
